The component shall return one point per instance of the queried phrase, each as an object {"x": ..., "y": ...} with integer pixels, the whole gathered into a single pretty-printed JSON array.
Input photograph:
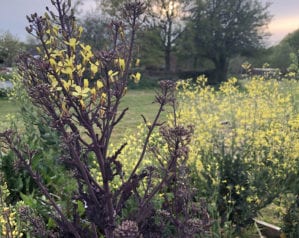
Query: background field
[{"x": 139, "y": 102}]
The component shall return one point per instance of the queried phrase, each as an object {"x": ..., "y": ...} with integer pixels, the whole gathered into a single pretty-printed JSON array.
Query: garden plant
[
  {"x": 206, "y": 170},
  {"x": 244, "y": 150},
  {"x": 77, "y": 93}
]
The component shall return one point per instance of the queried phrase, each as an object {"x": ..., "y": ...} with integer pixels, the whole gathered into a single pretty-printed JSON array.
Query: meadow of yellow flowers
[{"x": 245, "y": 146}]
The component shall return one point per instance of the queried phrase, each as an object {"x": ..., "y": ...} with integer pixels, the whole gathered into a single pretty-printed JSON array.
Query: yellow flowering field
[
  {"x": 261, "y": 116},
  {"x": 245, "y": 146}
]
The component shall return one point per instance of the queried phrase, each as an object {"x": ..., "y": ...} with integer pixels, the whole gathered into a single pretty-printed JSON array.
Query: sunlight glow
[{"x": 279, "y": 28}]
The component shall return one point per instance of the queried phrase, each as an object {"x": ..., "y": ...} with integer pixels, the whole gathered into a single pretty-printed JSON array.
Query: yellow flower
[
  {"x": 136, "y": 77},
  {"x": 93, "y": 92},
  {"x": 72, "y": 43},
  {"x": 38, "y": 49},
  {"x": 121, "y": 63},
  {"x": 68, "y": 71},
  {"x": 64, "y": 108},
  {"x": 94, "y": 67},
  {"x": 68, "y": 66},
  {"x": 54, "y": 83},
  {"x": 85, "y": 83},
  {"x": 80, "y": 70},
  {"x": 103, "y": 98},
  {"x": 86, "y": 53},
  {"x": 137, "y": 62},
  {"x": 67, "y": 84},
  {"x": 49, "y": 41},
  {"x": 55, "y": 30},
  {"x": 112, "y": 75},
  {"x": 82, "y": 104},
  {"x": 80, "y": 92},
  {"x": 80, "y": 30},
  {"x": 52, "y": 62},
  {"x": 99, "y": 84}
]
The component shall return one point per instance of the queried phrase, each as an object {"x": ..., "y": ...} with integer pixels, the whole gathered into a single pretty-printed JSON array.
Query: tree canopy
[
  {"x": 224, "y": 28},
  {"x": 165, "y": 19},
  {"x": 205, "y": 34},
  {"x": 10, "y": 46},
  {"x": 95, "y": 31}
]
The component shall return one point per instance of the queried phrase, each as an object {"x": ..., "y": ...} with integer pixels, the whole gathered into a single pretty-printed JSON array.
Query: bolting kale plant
[{"x": 79, "y": 92}]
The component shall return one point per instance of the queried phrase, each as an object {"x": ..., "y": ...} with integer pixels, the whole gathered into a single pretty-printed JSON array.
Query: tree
[
  {"x": 168, "y": 16},
  {"x": 10, "y": 46},
  {"x": 293, "y": 41},
  {"x": 163, "y": 16},
  {"x": 151, "y": 48},
  {"x": 95, "y": 31},
  {"x": 225, "y": 28},
  {"x": 282, "y": 55}
]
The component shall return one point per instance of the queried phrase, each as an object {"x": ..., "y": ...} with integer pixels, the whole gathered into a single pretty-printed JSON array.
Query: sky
[
  {"x": 285, "y": 19},
  {"x": 13, "y": 16}
]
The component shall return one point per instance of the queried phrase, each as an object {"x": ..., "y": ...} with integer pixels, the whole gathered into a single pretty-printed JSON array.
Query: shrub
[
  {"x": 37, "y": 136},
  {"x": 5, "y": 89},
  {"x": 245, "y": 146},
  {"x": 245, "y": 142},
  {"x": 290, "y": 221}
]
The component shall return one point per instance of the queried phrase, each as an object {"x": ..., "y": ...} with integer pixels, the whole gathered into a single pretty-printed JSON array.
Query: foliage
[
  {"x": 293, "y": 39},
  {"x": 279, "y": 56},
  {"x": 291, "y": 226},
  {"x": 245, "y": 143},
  {"x": 18, "y": 220},
  {"x": 168, "y": 17},
  {"x": 180, "y": 212},
  {"x": 283, "y": 55},
  {"x": 165, "y": 21},
  {"x": 95, "y": 31},
  {"x": 4, "y": 91},
  {"x": 222, "y": 29},
  {"x": 151, "y": 49},
  {"x": 38, "y": 136},
  {"x": 77, "y": 93},
  {"x": 10, "y": 47},
  {"x": 9, "y": 225},
  {"x": 202, "y": 173}
]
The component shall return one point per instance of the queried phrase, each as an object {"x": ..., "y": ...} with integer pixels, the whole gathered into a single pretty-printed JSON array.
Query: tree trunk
[
  {"x": 167, "y": 59},
  {"x": 168, "y": 46},
  {"x": 221, "y": 69}
]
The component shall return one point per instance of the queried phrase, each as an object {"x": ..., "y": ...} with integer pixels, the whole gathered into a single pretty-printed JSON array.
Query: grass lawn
[{"x": 139, "y": 103}]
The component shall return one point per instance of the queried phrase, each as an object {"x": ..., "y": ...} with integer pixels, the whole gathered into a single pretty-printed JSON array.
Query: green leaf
[
  {"x": 29, "y": 200},
  {"x": 51, "y": 223},
  {"x": 81, "y": 208}
]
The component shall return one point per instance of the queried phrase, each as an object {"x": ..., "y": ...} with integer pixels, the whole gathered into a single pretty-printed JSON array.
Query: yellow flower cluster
[
  {"x": 9, "y": 226},
  {"x": 258, "y": 122},
  {"x": 75, "y": 70},
  {"x": 70, "y": 61},
  {"x": 69, "y": 69}
]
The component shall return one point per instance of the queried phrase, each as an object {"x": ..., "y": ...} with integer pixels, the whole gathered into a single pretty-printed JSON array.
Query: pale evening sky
[{"x": 13, "y": 16}]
